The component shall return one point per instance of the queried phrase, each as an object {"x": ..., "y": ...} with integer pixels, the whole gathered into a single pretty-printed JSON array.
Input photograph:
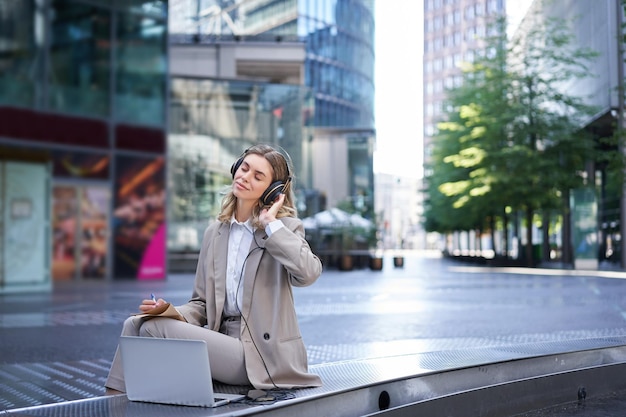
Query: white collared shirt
[{"x": 239, "y": 241}]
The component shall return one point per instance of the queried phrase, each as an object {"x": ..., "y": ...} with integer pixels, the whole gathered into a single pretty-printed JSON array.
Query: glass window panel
[
  {"x": 153, "y": 8},
  {"x": 21, "y": 39},
  {"x": 79, "y": 74},
  {"x": 141, "y": 64}
]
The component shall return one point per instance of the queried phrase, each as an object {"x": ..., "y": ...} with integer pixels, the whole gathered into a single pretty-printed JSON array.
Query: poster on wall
[
  {"x": 64, "y": 225},
  {"x": 139, "y": 218},
  {"x": 25, "y": 217}
]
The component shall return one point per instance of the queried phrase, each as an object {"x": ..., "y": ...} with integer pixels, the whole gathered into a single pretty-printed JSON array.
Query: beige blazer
[{"x": 270, "y": 332}]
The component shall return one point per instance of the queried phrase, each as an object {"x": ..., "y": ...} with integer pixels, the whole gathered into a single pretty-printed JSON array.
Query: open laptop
[{"x": 169, "y": 371}]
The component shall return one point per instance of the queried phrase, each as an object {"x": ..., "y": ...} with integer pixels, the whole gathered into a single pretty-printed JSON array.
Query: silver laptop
[{"x": 169, "y": 371}]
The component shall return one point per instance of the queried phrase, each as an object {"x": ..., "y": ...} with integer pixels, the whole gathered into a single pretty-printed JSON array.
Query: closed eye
[{"x": 258, "y": 175}]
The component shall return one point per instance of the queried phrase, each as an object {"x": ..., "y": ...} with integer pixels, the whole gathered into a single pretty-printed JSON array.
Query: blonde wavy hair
[{"x": 280, "y": 172}]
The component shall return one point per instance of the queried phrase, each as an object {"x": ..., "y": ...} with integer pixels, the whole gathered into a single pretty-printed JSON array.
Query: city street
[{"x": 58, "y": 346}]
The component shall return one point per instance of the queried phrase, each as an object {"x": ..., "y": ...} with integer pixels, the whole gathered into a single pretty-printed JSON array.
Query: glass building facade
[
  {"x": 338, "y": 74},
  {"x": 83, "y": 85},
  {"x": 340, "y": 60},
  {"x": 339, "y": 38}
]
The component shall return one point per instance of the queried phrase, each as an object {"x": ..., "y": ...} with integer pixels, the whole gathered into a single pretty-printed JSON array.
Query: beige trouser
[{"x": 224, "y": 347}]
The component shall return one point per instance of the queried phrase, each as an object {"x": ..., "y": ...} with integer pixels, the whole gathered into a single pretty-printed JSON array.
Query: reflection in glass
[
  {"x": 72, "y": 164},
  {"x": 78, "y": 74},
  {"x": 141, "y": 68},
  {"x": 21, "y": 38},
  {"x": 339, "y": 39}
]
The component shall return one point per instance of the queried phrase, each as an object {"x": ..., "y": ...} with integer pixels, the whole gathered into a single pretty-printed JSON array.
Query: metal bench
[{"x": 497, "y": 381}]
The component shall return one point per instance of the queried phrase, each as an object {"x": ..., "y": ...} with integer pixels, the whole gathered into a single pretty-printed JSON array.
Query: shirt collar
[{"x": 247, "y": 224}]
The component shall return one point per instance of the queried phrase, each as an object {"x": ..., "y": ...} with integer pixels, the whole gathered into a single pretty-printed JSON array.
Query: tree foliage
[{"x": 512, "y": 135}]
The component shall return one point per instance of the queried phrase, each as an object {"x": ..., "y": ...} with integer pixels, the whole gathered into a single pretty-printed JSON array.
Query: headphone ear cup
[
  {"x": 236, "y": 166},
  {"x": 272, "y": 192}
]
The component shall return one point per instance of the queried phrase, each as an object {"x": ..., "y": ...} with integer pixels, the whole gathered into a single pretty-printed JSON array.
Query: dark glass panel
[
  {"x": 21, "y": 40},
  {"x": 79, "y": 71},
  {"x": 141, "y": 63},
  {"x": 150, "y": 8},
  {"x": 53, "y": 127},
  {"x": 138, "y": 138}
]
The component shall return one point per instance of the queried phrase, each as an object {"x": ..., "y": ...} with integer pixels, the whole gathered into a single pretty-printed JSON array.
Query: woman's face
[{"x": 252, "y": 178}]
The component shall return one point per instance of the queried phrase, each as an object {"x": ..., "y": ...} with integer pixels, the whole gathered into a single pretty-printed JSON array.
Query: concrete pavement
[{"x": 58, "y": 346}]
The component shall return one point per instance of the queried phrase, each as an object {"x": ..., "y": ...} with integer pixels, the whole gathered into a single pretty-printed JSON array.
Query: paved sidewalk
[{"x": 58, "y": 346}]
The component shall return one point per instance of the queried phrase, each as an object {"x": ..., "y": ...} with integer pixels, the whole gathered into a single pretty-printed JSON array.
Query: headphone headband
[{"x": 235, "y": 166}]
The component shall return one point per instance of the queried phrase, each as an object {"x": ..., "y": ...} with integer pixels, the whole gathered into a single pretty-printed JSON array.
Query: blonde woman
[{"x": 242, "y": 302}]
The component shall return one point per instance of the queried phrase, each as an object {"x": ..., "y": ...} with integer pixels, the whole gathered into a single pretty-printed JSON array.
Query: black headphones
[{"x": 274, "y": 190}]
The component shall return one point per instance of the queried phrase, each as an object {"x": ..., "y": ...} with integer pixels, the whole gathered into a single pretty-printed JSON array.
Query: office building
[
  {"x": 86, "y": 148},
  {"x": 598, "y": 208},
  {"x": 83, "y": 93},
  {"x": 453, "y": 32}
]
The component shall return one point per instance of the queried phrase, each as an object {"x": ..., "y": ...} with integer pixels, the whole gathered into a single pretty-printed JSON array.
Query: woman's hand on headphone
[{"x": 268, "y": 215}]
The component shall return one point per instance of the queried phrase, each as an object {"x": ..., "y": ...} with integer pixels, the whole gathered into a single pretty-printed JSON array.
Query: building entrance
[{"x": 80, "y": 224}]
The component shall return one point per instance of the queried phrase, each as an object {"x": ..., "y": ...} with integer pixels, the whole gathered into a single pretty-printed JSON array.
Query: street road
[{"x": 429, "y": 305}]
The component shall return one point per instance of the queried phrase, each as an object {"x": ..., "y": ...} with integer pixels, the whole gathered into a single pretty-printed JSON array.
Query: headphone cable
[{"x": 243, "y": 267}]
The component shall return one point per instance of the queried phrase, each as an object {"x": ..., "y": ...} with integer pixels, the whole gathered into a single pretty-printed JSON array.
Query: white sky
[{"x": 398, "y": 82}]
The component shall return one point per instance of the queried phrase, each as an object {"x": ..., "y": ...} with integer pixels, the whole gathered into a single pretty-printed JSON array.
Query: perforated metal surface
[
  {"x": 71, "y": 318},
  {"x": 33, "y": 384},
  {"x": 409, "y": 377},
  {"x": 39, "y": 383}
]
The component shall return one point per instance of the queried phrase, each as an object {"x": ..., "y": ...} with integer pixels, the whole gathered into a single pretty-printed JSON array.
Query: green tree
[
  {"x": 548, "y": 126},
  {"x": 512, "y": 137},
  {"x": 468, "y": 152}
]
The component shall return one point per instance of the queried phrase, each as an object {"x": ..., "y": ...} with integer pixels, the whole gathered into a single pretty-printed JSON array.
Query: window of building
[
  {"x": 437, "y": 22},
  {"x": 492, "y": 6},
  {"x": 79, "y": 69},
  {"x": 141, "y": 64},
  {"x": 438, "y": 85},
  {"x": 20, "y": 71},
  {"x": 480, "y": 31},
  {"x": 479, "y": 9}
]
